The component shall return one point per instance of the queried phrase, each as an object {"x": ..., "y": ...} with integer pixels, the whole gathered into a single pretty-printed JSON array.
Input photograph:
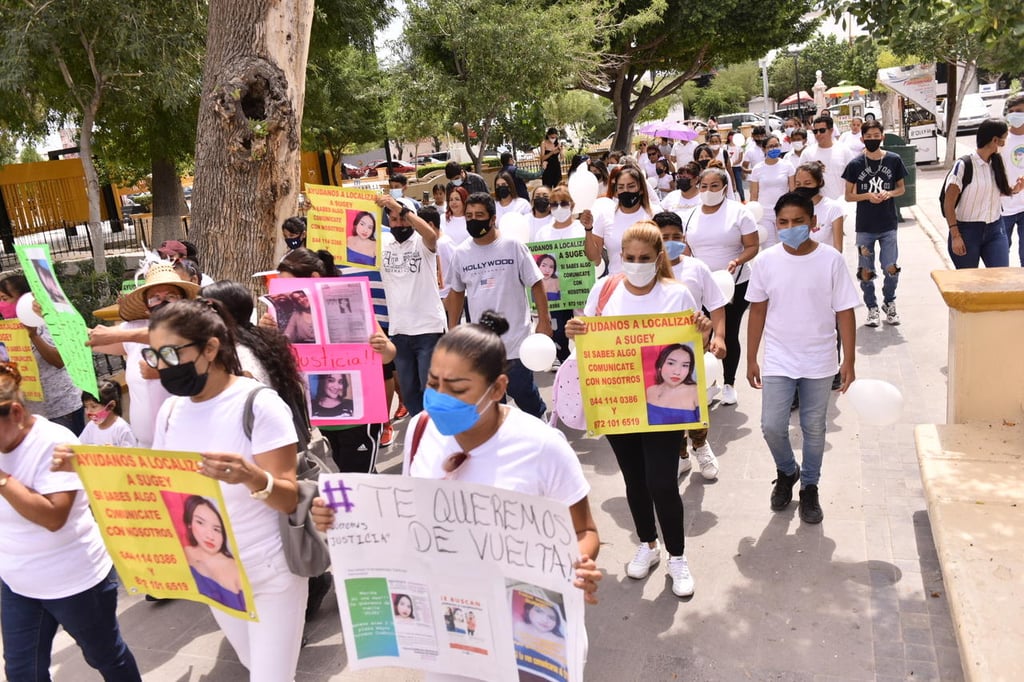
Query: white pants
[{"x": 269, "y": 648}]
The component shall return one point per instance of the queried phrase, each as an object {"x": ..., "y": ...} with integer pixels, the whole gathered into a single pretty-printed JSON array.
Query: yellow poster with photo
[
  {"x": 345, "y": 222},
  {"x": 16, "y": 347},
  {"x": 165, "y": 526},
  {"x": 642, "y": 373}
]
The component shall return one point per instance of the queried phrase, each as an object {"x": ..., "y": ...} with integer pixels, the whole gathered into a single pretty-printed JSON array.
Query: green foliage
[
  {"x": 8, "y": 148},
  {"x": 838, "y": 61},
  {"x": 29, "y": 154},
  {"x": 88, "y": 290},
  {"x": 729, "y": 91},
  {"x": 522, "y": 125},
  {"x": 587, "y": 116},
  {"x": 414, "y": 105}
]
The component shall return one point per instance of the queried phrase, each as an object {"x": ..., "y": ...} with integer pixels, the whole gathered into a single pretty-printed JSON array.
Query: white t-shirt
[
  {"x": 835, "y": 159},
  {"x": 60, "y": 397},
  {"x": 525, "y": 455},
  {"x": 696, "y": 276},
  {"x": 35, "y": 562},
  {"x": 118, "y": 434},
  {"x": 648, "y": 165},
  {"x": 772, "y": 182},
  {"x": 804, "y": 293},
  {"x": 667, "y": 296},
  {"x": 717, "y": 238},
  {"x": 517, "y": 205},
  {"x": 409, "y": 274},
  {"x": 675, "y": 201},
  {"x": 455, "y": 228},
  {"x": 827, "y": 211},
  {"x": 753, "y": 155},
  {"x": 1013, "y": 162},
  {"x": 493, "y": 277},
  {"x": 610, "y": 226},
  {"x": 852, "y": 140},
  {"x": 147, "y": 395},
  {"x": 215, "y": 425},
  {"x": 573, "y": 230},
  {"x": 445, "y": 254},
  {"x": 538, "y": 224},
  {"x": 682, "y": 152},
  {"x": 981, "y": 201}
]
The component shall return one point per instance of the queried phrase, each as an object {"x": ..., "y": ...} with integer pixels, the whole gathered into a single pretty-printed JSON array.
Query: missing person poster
[
  {"x": 345, "y": 222},
  {"x": 642, "y": 373},
  {"x": 65, "y": 324},
  {"x": 329, "y": 322},
  {"x": 165, "y": 526},
  {"x": 455, "y": 577},
  {"x": 16, "y": 347},
  {"x": 568, "y": 273}
]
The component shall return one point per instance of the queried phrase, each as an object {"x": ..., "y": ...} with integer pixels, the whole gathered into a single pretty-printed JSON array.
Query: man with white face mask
[{"x": 1013, "y": 161}]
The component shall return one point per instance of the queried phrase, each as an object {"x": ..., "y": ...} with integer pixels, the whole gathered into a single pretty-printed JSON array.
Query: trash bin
[{"x": 908, "y": 152}]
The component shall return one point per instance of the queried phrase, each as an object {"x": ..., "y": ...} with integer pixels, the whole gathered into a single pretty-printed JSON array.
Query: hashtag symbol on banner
[{"x": 330, "y": 488}]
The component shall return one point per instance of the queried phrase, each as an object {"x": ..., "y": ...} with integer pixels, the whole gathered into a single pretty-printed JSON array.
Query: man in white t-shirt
[
  {"x": 800, "y": 292},
  {"x": 753, "y": 153},
  {"x": 1013, "y": 162},
  {"x": 682, "y": 152},
  {"x": 833, "y": 156},
  {"x": 851, "y": 137},
  {"x": 416, "y": 317},
  {"x": 490, "y": 272}
]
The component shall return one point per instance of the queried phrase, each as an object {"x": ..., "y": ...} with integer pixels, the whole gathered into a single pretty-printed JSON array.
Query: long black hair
[{"x": 990, "y": 130}]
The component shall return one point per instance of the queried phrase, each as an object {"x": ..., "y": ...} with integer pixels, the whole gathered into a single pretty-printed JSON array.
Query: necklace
[{"x": 867, "y": 166}]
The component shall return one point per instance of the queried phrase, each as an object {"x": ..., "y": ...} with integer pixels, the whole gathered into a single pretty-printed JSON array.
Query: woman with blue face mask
[{"x": 769, "y": 180}]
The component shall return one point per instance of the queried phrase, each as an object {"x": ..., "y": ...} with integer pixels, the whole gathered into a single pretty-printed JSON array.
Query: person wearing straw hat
[{"x": 162, "y": 285}]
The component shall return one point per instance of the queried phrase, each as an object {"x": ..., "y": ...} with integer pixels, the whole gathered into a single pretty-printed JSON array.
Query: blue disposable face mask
[
  {"x": 397, "y": 193},
  {"x": 450, "y": 415},
  {"x": 675, "y": 249},
  {"x": 774, "y": 153},
  {"x": 794, "y": 236}
]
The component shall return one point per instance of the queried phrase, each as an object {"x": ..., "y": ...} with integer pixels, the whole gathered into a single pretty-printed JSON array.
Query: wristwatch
[
  {"x": 265, "y": 493},
  {"x": 4, "y": 478}
]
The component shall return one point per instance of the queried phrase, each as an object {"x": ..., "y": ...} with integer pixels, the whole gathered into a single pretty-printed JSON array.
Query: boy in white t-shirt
[
  {"x": 1013, "y": 161},
  {"x": 800, "y": 291}
]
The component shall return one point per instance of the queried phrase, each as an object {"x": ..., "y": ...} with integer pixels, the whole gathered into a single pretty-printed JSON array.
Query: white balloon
[
  {"x": 725, "y": 282},
  {"x": 583, "y": 189},
  {"x": 756, "y": 209},
  {"x": 713, "y": 370},
  {"x": 876, "y": 402},
  {"x": 515, "y": 226},
  {"x": 738, "y": 139},
  {"x": 28, "y": 316},
  {"x": 537, "y": 352}
]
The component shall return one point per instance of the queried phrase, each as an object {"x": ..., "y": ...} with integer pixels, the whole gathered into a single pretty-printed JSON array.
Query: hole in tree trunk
[{"x": 253, "y": 102}]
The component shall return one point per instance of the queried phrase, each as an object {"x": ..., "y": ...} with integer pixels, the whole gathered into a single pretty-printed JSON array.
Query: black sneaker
[
  {"x": 319, "y": 586},
  {"x": 810, "y": 509},
  {"x": 782, "y": 493}
]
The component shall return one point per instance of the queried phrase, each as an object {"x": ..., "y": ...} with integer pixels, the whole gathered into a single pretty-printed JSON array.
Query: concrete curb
[{"x": 937, "y": 238}]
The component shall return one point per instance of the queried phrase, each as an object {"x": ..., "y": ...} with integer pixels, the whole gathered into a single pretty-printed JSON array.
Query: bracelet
[{"x": 588, "y": 229}]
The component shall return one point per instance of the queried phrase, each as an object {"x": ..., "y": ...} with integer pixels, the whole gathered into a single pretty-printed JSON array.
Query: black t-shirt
[{"x": 868, "y": 177}]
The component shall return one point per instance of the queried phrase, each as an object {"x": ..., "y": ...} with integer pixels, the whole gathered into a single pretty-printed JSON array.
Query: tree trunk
[
  {"x": 953, "y": 115},
  {"x": 92, "y": 181},
  {"x": 168, "y": 202},
  {"x": 247, "y": 141}
]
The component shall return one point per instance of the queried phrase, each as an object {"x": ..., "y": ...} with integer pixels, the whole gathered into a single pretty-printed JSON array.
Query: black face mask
[
  {"x": 477, "y": 228},
  {"x": 684, "y": 184},
  {"x": 629, "y": 199},
  {"x": 502, "y": 192},
  {"x": 183, "y": 379},
  {"x": 157, "y": 307},
  {"x": 294, "y": 242},
  {"x": 659, "y": 171},
  {"x": 809, "y": 192},
  {"x": 703, "y": 163},
  {"x": 401, "y": 233},
  {"x": 541, "y": 204},
  {"x": 872, "y": 145}
]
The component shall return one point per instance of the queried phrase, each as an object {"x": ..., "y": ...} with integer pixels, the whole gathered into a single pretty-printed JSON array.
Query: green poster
[
  {"x": 568, "y": 273},
  {"x": 66, "y": 326},
  {"x": 373, "y": 626}
]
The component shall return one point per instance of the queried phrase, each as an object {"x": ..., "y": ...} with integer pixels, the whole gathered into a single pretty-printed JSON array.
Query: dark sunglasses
[
  {"x": 560, "y": 204},
  {"x": 819, "y": 131},
  {"x": 169, "y": 354}
]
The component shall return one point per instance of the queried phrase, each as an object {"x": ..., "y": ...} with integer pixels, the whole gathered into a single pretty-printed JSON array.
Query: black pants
[
  {"x": 649, "y": 462},
  {"x": 733, "y": 316},
  {"x": 558, "y": 320},
  {"x": 355, "y": 449}
]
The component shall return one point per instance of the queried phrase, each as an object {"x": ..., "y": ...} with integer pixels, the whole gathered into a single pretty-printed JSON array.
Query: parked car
[
  {"x": 396, "y": 167},
  {"x": 436, "y": 157},
  {"x": 747, "y": 118},
  {"x": 973, "y": 110}
]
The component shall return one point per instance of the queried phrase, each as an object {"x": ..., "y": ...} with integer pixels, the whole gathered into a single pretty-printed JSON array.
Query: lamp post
[{"x": 795, "y": 54}]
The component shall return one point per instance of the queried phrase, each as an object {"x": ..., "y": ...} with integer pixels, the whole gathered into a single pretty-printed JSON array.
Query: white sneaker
[
  {"x": 728, "y": 395},
  {"x": 891, "y": 316},
  {"x": 707, "y": 462},
  {"x": 872, "y": 317},
  {"x": 643, "y": 560},
  {"x": 682, "y": 581},
  {"x": 684, "y": 466}
]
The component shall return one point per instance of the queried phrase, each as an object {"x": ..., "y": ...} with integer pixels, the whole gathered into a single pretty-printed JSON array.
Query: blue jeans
[
  {"x": 985, "y": 242},
  {"x": 1009, "y": 222},
  {"x": 776, "y": 399},
  {"x": 737, "y": 175},
  {"x": 888, "y": 252},
  {"x": 90, "y": 617},
  {"x": 413, "y": 363},
  {"x": 523, "y": 389}
]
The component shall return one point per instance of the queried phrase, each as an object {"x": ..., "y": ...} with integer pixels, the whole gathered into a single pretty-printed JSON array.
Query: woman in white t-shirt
[
  {"x": 194, "y": 352},
  {"x": 630, "y": 202},
  {"x": 648, "y": 459},
  {"x": 723, "y": 234},
  {"x": 54, "y": 568},
  {"x": 506, "y": 199},
  {"x": 665, "y": 183},
  {"x": 809, "y": 181},
  {"x": 769, "y": 180},
  {"x": 455, "y": 215},
  {"x": 686, "y": 195},
  {"x": 540, "y": 215}
]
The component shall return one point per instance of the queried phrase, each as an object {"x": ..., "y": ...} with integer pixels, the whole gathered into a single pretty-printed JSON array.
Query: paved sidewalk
[{"x": 859, "y": 597}]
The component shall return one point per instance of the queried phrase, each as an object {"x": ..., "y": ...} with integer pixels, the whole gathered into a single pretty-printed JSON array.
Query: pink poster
[{"x": 328, "y": 322}]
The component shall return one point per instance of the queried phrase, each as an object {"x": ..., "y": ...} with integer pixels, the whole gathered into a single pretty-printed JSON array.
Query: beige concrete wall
[{"x": 986, "y": 366}]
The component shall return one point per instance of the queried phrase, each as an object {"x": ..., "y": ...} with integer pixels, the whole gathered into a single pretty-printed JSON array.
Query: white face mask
[
  {"x": 640, "y": 274},
  {"x": 561, "y": 214},
  {"x": 712, "y": 198},
  {"x": 797, "y": 145},
  {"x": 1015, "y": 119},
  {"x": 716, "y": 148}
]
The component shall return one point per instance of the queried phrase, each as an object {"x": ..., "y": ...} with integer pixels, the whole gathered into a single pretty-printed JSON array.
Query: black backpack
[{"x": 968, "y": 176}]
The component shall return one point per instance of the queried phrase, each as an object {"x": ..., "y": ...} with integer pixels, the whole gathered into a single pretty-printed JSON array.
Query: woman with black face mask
[
  {"x": 540, "y": 216},
  {"x": 686, "y": 195},
  {"x": 631, "y": 203},
  {"x": 505, "y": 198},
  {"x": 193, "y": 349}
]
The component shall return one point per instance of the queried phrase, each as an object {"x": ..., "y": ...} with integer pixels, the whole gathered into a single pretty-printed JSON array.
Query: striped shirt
[{"x": 980, "y": 201}]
